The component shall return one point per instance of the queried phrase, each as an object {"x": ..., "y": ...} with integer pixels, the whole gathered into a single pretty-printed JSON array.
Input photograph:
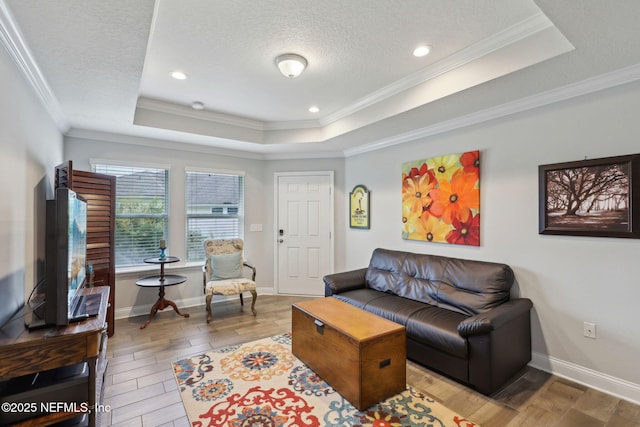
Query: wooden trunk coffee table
[{"x": 362, "y": 356}]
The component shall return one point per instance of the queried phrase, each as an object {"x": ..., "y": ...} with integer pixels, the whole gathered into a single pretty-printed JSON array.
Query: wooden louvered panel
[
  {"x": 92, "y": 181},
  {"x": 99, "y": 237},
  {"x": 100, "y": 201},
  {"x": 98, "y": 227},
  {"x": 100, "y": 193},
  {"x": 64, "y": 178},
  {"x": 99, "y": 250},
  {"x": 98, "y": 216},
  {"x": 98, "y": 213},
  {"x": 96, "y": 245}
]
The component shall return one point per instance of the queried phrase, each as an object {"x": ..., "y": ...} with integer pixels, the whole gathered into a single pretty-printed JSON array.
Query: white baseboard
[
  {"x": 143, "y": 310},
  {"x": 618, "y": 387}
]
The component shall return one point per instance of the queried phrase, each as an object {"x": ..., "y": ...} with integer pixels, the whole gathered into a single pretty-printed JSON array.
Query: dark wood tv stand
[{"x": 24, "y": 352}]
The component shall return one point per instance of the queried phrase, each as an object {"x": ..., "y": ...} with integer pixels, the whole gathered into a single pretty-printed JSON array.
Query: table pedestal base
[{"x": 161, "y": 304}]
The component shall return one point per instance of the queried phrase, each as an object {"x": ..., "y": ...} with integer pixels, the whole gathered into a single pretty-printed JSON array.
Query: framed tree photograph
[
  {"x": 359, "y": 215},
  {"x": 598, "y": 197}
]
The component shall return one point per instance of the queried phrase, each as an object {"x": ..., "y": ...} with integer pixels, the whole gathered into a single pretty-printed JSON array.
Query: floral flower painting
[{"x": 441, "y": 199}]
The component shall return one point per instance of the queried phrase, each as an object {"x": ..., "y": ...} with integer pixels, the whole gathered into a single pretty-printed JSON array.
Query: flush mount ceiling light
[
  {"x": 197, "y": 105},
  {"x": 314, "y": 109},
  {"x": 291, "y": 65}
]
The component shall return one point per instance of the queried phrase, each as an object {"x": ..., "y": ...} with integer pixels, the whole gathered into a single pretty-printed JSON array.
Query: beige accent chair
[{"x": 224, "y": 272}]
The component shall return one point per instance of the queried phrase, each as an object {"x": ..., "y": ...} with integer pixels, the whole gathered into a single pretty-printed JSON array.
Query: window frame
[
  {"x": 94, "y": 163},
  {"x": 188, "y": 216}
]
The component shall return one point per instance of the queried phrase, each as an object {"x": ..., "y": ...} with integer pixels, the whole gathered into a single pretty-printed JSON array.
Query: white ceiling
[{"x": 103, "y": 66}]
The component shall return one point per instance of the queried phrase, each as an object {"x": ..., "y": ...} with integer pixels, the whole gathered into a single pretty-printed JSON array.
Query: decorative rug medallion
[{"x": 261, "y": 384}]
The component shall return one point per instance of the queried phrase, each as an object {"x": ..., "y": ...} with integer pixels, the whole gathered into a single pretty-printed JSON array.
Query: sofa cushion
[
  {"x": 359, "y": 297},
  {"x": 394, "y": 308},
  {"x": 466, "y": 286},
  {"x": 390, "y": 307},
  {"x": 437, "y": 327},
  {"x": 432, "y": 326}
]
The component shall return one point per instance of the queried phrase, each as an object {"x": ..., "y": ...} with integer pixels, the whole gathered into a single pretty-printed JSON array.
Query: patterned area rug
[{"x": 261, "y": 384}]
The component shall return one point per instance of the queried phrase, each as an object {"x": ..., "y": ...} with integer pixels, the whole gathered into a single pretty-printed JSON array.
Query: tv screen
[
  {"x": 65, "y": 261},
  {"x": 65, "y": 256},
  {"x": 76, "y": 248}
]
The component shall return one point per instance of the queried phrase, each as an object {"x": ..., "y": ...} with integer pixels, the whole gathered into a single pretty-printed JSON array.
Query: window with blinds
[
  {"x": 142, "y": 206},
  {"x": 214, "y": 208}
]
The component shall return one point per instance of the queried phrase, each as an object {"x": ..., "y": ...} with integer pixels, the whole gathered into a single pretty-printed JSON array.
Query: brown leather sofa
[{"x": 458, "y": 314}]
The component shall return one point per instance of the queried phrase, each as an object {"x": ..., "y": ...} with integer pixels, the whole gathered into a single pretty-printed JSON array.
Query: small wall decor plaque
[
  {"x": 359, "y": 213},
  {"x": 598, "y": 197}
]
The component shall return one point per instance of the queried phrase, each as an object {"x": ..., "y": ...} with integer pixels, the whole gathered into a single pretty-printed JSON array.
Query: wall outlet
[{"x": 589, "y": 330}]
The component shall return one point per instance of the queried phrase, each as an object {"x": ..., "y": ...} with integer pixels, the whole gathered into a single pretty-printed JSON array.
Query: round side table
[{"x": 160, "y": 282}]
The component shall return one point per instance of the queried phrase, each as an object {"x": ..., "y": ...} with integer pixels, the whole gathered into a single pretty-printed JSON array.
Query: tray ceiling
[{"x": 105, "y": 66}]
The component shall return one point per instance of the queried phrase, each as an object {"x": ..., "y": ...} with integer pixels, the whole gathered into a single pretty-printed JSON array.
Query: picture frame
[
  {"x": 596, "y": 197},
  {"x": 359, "y": 208}
]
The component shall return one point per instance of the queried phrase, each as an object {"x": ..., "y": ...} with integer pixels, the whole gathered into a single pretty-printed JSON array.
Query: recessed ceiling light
[
  {"x": 179, "y": 75},
  {"x": 197, "y": 105},
  {"x": 421, "y": 51},
  {"x": 313, "y": 109}
]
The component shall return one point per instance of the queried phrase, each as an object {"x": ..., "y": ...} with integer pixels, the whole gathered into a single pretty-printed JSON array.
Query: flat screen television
[{"x": 65, "y": 259}]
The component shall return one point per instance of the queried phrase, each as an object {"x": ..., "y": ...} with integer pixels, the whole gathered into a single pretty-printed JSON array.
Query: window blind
[
  {"x": 142, "y": 201},
  {"x": 214, "y": 209}
]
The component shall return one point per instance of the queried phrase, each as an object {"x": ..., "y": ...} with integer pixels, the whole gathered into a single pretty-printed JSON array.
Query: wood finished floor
[{"x": 141, "y": 390}]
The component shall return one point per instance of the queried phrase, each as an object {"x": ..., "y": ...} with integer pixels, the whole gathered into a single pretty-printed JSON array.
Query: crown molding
[
  {"x": 14, "y": 43},
  {"x": 207, "y": 115},
  {"x": 292, "y": 125},
  {"x": 157, "y": 142},
  {"x": 584, "y": 87},
  {"x": 519, "y": 31},
  {"x": 11, "y": 38},
  {"x": 222, "y": 118},
  {"x": 170, "y": 144},
  {"x": 305, "y": 155}
]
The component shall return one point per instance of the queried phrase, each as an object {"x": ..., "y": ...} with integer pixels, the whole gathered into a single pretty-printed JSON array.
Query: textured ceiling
[
  {"x": 107, "y": 64},
  {"x": 353, "y": 48}
]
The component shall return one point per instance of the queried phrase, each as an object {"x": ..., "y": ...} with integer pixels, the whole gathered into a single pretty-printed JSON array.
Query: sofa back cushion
[{"x": 466, "y": 286}]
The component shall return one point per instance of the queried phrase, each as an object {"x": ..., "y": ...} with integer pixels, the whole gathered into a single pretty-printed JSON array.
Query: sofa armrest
[
  {"x": 486, "y": 322},
  {"x": 346, "y": 281}
]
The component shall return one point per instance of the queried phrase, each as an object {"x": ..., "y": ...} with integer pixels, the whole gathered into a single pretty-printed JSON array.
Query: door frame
[{"x": 332, "y": 238}]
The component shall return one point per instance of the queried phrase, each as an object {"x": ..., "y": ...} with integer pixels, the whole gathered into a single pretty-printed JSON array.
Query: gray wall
[
  {"x": 570, "y": 279},
  {"x": 30, "y": 147},
  {"x": 259, "y": 209}
]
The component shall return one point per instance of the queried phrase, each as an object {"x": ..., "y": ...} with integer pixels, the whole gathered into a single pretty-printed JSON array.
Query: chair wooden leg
[
  {"x": 208, "y": 304},
  {"x": 254, "y": 294}
]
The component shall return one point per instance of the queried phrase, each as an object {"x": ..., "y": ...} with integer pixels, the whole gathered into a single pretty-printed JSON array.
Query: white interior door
[{"x": 304, "y": 232}]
